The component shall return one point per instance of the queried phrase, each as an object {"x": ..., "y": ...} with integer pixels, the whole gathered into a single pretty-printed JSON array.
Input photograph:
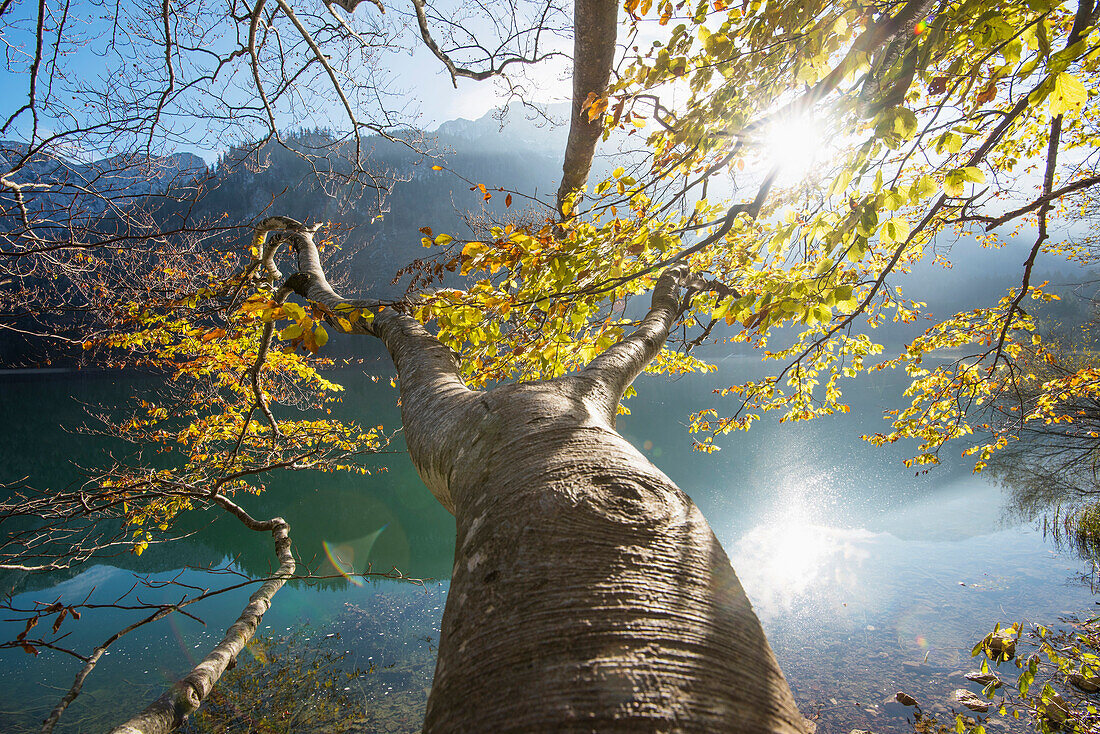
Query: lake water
[{"x": 868, "y": 577}]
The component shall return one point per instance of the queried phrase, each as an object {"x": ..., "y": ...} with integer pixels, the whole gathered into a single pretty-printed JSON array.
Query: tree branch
[
  {"x": 616, "y": 367},
  {"x": 169, "y": 711},
  {"x": 461, "y": 71},
  {"x": 994, "y": 222}
]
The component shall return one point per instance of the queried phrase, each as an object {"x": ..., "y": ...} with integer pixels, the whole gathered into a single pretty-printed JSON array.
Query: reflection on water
[
  {"x": 781, "y": 562},
  {"x": 869, "y": 579}
]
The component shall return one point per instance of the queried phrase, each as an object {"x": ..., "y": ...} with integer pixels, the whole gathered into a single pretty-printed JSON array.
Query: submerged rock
[
  {"x": 972, "y": 702},
  {"x": 1003, "y": 645},
  {"x": 905, "y": 699},
  {"x": 1055, "y": 708},
  {"x": 984, "y": 679},
  {"x": 1086, "y": 683}
]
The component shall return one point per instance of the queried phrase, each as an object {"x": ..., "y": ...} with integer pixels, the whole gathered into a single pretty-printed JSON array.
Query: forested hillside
[{"x": 378, "y": 224}]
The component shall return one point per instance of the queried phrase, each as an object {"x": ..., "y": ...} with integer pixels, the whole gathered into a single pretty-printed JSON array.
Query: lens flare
[
  {"x": 342, "y": 555},
  {"x": 341, "y": 558}
]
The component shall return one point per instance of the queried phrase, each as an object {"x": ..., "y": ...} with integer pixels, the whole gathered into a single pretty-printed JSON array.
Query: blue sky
[{"x": 424, "y": 89}]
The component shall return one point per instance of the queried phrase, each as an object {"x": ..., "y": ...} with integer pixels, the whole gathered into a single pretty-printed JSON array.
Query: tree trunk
[
  {"x": 595, "y": 26},
  {"x": 588, "y": 592}
]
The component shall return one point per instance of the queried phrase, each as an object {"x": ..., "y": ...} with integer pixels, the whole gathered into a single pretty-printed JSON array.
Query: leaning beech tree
[{"x": 800, "y": 155}]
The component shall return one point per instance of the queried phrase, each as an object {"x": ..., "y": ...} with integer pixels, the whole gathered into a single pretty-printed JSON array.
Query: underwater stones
[
  {"x": 971, "y": 701},
  {"x": 905, "y": 699},
  {"x": 984, "y": 679},
  {"x": 1003, "y": 645},
  {"x": 1054, "y": 708},
  {"x": 1086, "y": 683}
]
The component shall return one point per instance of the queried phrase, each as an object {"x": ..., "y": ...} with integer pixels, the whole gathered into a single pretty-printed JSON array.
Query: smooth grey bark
[
  {"x": 588, "y": 592},
  {"x": 595, "y": 26}
]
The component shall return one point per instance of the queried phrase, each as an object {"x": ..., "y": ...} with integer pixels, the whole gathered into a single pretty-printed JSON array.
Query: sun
[{"x": 792, "y": 144}]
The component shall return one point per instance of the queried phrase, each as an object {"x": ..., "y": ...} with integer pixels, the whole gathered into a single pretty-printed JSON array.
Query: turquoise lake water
[{"x": 869, "y": 577}]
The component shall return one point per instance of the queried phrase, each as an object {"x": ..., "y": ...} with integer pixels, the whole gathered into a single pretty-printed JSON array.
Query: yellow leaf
[
  {"x": 473, "y": 249},
  {"x": 1069, "y": 94}
]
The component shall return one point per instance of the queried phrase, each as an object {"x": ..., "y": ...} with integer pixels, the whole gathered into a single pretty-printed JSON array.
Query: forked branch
[{"x": 421, "y": 360}]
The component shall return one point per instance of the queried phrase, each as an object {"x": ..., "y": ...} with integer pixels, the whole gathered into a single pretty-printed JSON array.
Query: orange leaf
[
  {"x": 213, "y": 334},
  {"x": 987, "y": 94},
  {"x": 508, "y": 200},
  {"x": 30, "y": 625},
  {"x": 60, "y": 619}
]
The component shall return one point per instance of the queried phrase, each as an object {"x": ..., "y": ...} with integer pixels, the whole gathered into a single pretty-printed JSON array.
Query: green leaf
[
  {"x": 922, "y": 188},
  {"x": 443, "y": 239},
  {"x": 291, "y": 332},
  {"x": 840, "y": 183},
  {"x": 905, "y": 123},
  {"x": 1043, "y": 37},
  {"x": 1025, "y": 682},
  {"x": 320, "y": 335},
  {"x": 954, "y": 183},
  {"x": 949, "y": 142},
  {"x": 893, "y": 200}
]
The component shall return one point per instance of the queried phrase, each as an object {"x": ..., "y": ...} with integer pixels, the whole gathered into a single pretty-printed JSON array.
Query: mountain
[
  {"x": 61, "y": 185},
  {"x": 307, "y": 175},
  {"x": 513, "y": 127},
  {"x": 524, "y": 155}
]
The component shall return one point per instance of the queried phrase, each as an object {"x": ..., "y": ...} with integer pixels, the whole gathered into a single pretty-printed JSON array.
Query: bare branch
[{"x": 169, "y": 711}]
